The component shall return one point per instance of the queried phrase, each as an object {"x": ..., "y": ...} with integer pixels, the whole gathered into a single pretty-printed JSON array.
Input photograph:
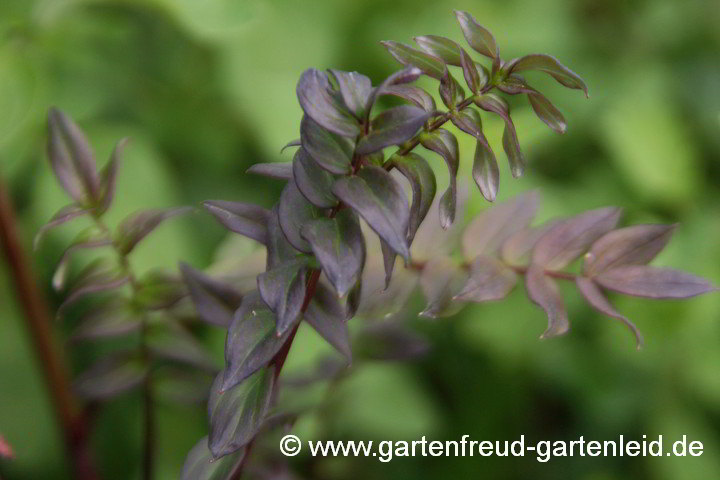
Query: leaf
[
  {"x": 514, "y": 84},
  {"x": 278, "y": 247},
  {"x": 474, "y": 78},
  {"x": 549, "y": 65},
  {"x": 544, "y": 292},
  {"x": 215, "y": 301},
  {"x": 108, "y": 177},
  {"x": 519, "y": 245},
  {"x": 413, "y": 94},
  {"x": 401, "y": 77},
  {"x": 597, "y": 300},
  {"x": 315, "y": 97},
  {"x": 237, "y": 415},
  {"x": 440, "y": 47},
  {"x": 495, "y": 104},
  {"x": 422, "y": 181},
  {"x": 251, "y": 341},
  {"x": 547, "y": 112},
  {"x": 450, "y": 91},
  {"x": 381, "y": 202},
  {"x": 477, "y": 36},
  {"x": 430, "y": 65},
  {"x": 448, "y": 206},
  {"x": 392, "y": 127},
  {"x": 291, "y": 143},
  {"x": 113, "y": 318},
  {"x": 200, "y": 465},
  {"x": 332, "y": 152},
  {"x": 280, "y": 171},
  {"x": 636, "y": 245},
  {"x": 572, "y": 237},
  {"x": 355, "y": 89},
  {"x": 294, "y": 211},
  {"x": 243, "y": 218},
  {"x": 173, "y": 342},
  {"x": 111, "y": 377},
  {"x": 468, "y": 121},
  {"x": 138, "y": 225},
  {"x": 485, "y": 171},
  {"x": 158, "y": 290},
  {"x": 327, "y": 316},
  {"x": 441, "y": 279},
  {"x": 489, "y": 279},
  {"x": 72, "y": 159},
  {"x": 312, "y": 181},
  {"x": 445, "y": 144},
  {"x": 388, "y": 256},
  {"x": 176, "y": 384},
  {"x": 653, "y": 282},
  {"x": 339, "y": 246},
  {"x": 283, "y": 289},
  {"x": 90, "y": 238},
  {"x": 97, "y": 277},
  {"x": 390, "y": 341},
  {"x": 64, "y": 215},
  {"x": 489, "y": 230}
]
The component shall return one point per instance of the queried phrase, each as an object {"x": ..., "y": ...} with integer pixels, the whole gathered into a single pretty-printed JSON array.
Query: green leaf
[
  {"x": 283, "y": 290},
  {"x": 236, "y": 415},
  {"x": 549, "y": 65},
  {"x": 316, "y": 98},
  {"x": 392, "y": 127},
  {"x": 430, "y": 65},
  {"x": 108, "y": 177},
  {"x": 332, "y": 152},
  {"x": 477, "y": 36},
  {"x": 381, "y": 202},
  {"x": 422, "y": 182},
  {"x": 159, "y": 289},
  {"x": 339, "y": 246},
  {"x": 64, "y": 215},
  {"x": 312, "y": 181}
]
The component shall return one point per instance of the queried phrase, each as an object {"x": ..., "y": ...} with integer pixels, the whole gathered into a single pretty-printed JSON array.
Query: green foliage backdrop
[{"x": 207, "y": 88}]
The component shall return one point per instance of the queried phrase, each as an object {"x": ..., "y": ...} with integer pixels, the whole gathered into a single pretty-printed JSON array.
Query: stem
[
  {"x": 53, "y": 365},
  {"x": 520, "y": 270},
  {"x": 148, "y": 455}
]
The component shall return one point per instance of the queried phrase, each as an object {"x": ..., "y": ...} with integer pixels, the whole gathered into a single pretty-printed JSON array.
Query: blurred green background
[{"x": 206, "y": 88}]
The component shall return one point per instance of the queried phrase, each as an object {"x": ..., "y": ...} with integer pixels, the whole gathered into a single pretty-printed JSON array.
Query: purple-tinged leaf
[
  {"x": 547, "y": 112},
  {"x": 422, "y": 181},
  {"x": 636, "y": 245},
  {"x": 278, "y": 247},
  {"x": 200, "y": 464},
  {"x": 392, "y": 127},
  {"x": 279, "y": 171},
  {"x": 474, "y": 78},
  {"x": 495, "y": 104},
  {"x": 477, "y": 36},
  {"x": 251, "y": 341},
  {"x": 159, "y": 290},
  {"x": 381, "y": 202},
  {"x": 113, "y": 318},
  {"x": 312, "y": 181},
  {"x": 653, "y": 282},
  {"x": 489, "y": 279},
  {"x": 314, "y": 93},
  {"x": 139, "y": 225},
  {"x": 339, "y": 246},
  {"x": 65, "y": 214},
  {"x": 485, "y": 171},
  {"x": 236, "y": 415},
  {"x": 468, "y": 121},
  {"x": 355, "y": 89},
  {"x": 515, "y": 85},
  {"x": 441, "y": 280},
  {"x": 108, "y": 177},
  {"x": 244, "y": 218},
  {"x": 450, "y": 91},
  {"x": 327, "y": 316},
  {"x": 352, "y": 303},
  {"x": 87, "y": 239},
  {"x": 517, "y": 248},
  {"x": 379, "y": 300},
  {"x": 445, "y": 144},
  {"x": 388, "y": 256},
  {"x": 407, "y": 75},
  {"x": 110, "y": 377},
  {"x": 430, "y": 65},
  {"x": 572, "y": 237},
  {"x": 291, "y": 143},
  {"x": 390, "y": 341},
  {"x": 549, "y": 65},
  {"x": 96, "y": 277},
  {"x": 413, "y": 94},
  {"x": 214, "y": 300},
  {"x": 448, "y": 206},
  {"x": 440, "y": 47},
  {"x": 544, "y": 292},
  {"x": 332, "y": 152},
  {"x": 595, "y": 297},
  {"x": 283, "y": 290},
  {"x": 72, "y": 159},
  {"x": 171, "y": 341},
  {"x": 431, "y": 239},
  {"x": 294, "y": 212},
  {"x": 489, "y": 230}
]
